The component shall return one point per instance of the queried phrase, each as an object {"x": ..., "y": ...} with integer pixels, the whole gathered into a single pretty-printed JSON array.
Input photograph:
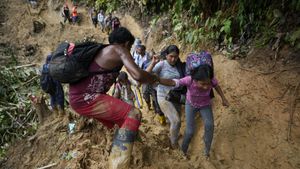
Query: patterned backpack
[{"x": 194, "y": 60}]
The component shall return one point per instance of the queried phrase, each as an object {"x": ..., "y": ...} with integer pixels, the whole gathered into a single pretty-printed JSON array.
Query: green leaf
[{"x": 178, "y": 27}]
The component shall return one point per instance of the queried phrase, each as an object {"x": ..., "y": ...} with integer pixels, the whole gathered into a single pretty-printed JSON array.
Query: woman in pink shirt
[{"x": 199, "y": 85}]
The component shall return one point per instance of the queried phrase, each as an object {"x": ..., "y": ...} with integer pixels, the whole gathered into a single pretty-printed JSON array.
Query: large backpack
[
  {"x": 194, "y": 60},
  {"x": 70, "y": 62}
]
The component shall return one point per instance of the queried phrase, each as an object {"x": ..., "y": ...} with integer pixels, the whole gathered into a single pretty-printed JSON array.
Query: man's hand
[{"x": 155, "y": 59}]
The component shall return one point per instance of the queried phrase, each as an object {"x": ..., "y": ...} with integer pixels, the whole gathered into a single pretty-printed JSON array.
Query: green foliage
[
  {"x": 107, "y": 5},
  {"x": 154, "y": 21},
  {"x": 17, "y": 119},
  {"x": 224, "y": 22},
  {"x": 293, "y": 38}
]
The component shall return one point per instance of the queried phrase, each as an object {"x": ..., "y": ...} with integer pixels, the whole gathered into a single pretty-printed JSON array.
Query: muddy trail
[{"x": 258, "y": 131}]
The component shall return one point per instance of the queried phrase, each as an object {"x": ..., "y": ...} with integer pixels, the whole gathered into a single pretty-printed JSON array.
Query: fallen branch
[
  {"x": 48, "y": 166},
  {"x": 12, "y": 117},
  {"x": 4, "y": 109},
  {"x": 21, "y": 66},
  {"x": 30, "y": 80},
  {"x": 292, "y": 110}
]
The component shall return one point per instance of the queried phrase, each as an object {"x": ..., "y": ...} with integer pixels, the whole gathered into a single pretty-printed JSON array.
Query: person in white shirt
[
  {"x": 141, "y": 56},
  {"x": 137, "y": 42},
  {"x": 108, "y": 23},
  {"x": 101, "y": 18}
]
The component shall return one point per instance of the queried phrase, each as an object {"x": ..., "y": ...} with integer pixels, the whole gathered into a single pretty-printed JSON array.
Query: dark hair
[
  {"x": 168, "y": 50},
  {"x": 143, "y": 47},
  {"x": 203, "y": 72},
  {"x": 120, "y": 36}
]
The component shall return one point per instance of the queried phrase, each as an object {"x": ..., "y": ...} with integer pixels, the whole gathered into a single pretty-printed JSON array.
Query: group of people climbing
[
  {"x": 106, "y": 23},
  {"x": 160, "y": 75},
  {"x": 70, "y": 16}
]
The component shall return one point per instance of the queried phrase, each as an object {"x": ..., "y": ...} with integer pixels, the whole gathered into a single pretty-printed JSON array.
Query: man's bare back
[{"x": 116, "y": 55}]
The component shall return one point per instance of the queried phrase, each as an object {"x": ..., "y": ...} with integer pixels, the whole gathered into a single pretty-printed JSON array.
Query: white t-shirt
[{"x": 101, "y": 17}]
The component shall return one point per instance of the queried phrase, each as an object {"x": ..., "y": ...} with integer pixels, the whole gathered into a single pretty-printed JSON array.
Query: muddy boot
[{"x": 121, "y": 149}]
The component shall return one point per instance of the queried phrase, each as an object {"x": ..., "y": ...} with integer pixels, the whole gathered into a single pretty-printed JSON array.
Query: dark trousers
[{"x": 58, "y": 98}]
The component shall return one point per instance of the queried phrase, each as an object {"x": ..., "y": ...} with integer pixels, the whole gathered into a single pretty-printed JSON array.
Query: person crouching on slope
[{"x": 89, "y": 96}]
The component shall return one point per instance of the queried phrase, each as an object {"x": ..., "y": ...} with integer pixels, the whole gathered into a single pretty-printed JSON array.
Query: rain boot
[{"x": 121, "y": 150}]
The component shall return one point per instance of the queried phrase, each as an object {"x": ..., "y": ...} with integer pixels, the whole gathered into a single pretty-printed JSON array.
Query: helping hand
[{"x": 155, "y": 59}]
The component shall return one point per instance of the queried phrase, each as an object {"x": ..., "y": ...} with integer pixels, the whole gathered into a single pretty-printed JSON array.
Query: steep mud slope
[{"x": 251, "y": 133}]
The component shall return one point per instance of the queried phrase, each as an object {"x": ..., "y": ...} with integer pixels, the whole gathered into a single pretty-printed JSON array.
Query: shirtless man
[{"x": 89, "y": 98}]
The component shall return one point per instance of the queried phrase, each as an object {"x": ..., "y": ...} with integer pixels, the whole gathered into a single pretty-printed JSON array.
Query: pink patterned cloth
[{"x": 88, "y": 98}]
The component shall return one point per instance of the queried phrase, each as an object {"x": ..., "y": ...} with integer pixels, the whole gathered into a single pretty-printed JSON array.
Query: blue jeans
[{"x": 208, "y": 119}]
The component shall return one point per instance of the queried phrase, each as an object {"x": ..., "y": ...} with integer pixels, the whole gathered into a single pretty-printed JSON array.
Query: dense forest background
[{"x": 223, "y": 23}]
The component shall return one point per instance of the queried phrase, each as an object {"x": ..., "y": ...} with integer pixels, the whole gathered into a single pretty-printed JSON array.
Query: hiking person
[
  {"x": 53, "y": 88},
  {"x": 93, "y": 15},
  {"x": 199, "y": 85},
  {"x": 122, "y": 89},
  {"x": 66, "y": 13},
  {"x": 143, "y": 60},
  {"x": 149, "y": 91},
  {"x": 101, "y": 18},
  {"x": 74, "y": 14},
  {"x": 108, "y": 23},
  {"x": 137, "y": 42},
  {"x": 168, "y": 69},
  {"x": 89, "y": 96},
  {"x": 141, "y": 56},
  {"x": 115, "y": 23}
]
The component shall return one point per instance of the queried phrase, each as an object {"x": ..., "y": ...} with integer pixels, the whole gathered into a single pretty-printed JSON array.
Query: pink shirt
[{"x": 197, "y": 97}]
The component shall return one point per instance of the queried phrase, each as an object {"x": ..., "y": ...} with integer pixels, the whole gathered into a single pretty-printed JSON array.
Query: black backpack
[
  {"x": 46, "y": 81},
  {"x": 70, "y": 62}
]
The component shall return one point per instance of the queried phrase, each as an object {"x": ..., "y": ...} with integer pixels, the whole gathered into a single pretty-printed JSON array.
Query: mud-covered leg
[{"x": 123, "y": 141}]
